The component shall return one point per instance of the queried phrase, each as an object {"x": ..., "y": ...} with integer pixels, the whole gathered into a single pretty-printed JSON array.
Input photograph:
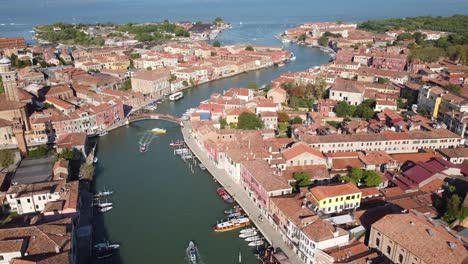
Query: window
[
  {"x": 400, "y": 258},
  {"x": 341, "y": 198},
  {"x": 336, "y": 199},
  {"x": 324, "y": 201},
  {"x": 37, "y": 207},
  {"x": 18, "y": 201},
  {"x": 1, "y": 257},
  {"x": 28, "y": 200},
  {"x": 389, "y": 250},
  {"x": 377, "y": 242},
  {"x": 329, "y": 200}
]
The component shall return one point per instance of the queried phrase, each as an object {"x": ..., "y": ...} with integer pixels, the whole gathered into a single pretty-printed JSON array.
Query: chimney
[{"x": 452, "y": 245}]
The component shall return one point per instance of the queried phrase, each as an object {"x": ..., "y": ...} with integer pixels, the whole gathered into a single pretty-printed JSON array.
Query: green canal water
[{"x": 159, "y": 204}]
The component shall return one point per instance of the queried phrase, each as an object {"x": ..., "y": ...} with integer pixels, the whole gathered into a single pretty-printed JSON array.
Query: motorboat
[
  {"x": 248, "y": 230},
  {"x": 235, "y": 209},
  {"x": 187, "y": 156},
  {"x": 177, "y": 143},
  {"x": 253, "y": 238},
  {"x": 95, "y": 160},
  {"x": 143, "y": 148},
  {"x": 234, "y": 215},
  {"x": 246, "y": 235},
  {"x": 103, "y": 193},
  {"x": 104, "y": 209},
  {"x": 192, "y": 253},
  {"x": 158, "y": 130},
  {"x": 103, "y": 133},
  {"x": 182, "y": 151},
  {"x": 176, "y": 96},
  {"x": 224, "y": 195},
  {"x": 255, "y": 243},
  {"x": 105, "y": 245},
  {"x": 202, "y": 167},
  {"x": 102, "y": 205},
  {"x": 228, "y": 225}
]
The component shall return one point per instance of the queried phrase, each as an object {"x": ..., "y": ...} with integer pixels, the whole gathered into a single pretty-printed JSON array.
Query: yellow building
[{"x": 335, "y": 198}]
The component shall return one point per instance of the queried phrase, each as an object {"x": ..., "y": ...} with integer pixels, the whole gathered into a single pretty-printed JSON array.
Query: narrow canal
[{"x": 159, "y": 204}]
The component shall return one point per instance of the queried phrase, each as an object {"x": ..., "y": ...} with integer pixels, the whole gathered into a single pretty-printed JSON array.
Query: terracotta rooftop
[
  {"x": 327, "y": 191},
  {"x": 299, "y": 149},
  {"x": 430, "y": 242},
  {"x": 71, "y": 140}
]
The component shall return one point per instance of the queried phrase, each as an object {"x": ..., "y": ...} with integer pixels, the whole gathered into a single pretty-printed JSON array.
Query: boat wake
[{"x": 147, "y": 137}]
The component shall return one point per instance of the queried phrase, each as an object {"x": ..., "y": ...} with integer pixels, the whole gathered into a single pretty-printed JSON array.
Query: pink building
[{"x": 386, "y": 61}]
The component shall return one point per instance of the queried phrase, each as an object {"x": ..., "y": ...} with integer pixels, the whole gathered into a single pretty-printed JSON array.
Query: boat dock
[{"x": 272, "y": 236}]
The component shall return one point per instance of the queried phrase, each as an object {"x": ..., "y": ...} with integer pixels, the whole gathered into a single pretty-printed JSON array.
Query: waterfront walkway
[{"x": 241, "y": 198}]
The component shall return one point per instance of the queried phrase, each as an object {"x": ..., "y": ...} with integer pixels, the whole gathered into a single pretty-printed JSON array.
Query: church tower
[{"x": 9, "y": 80}]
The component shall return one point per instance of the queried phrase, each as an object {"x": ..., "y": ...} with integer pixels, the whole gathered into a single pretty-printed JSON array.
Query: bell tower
[{"x": 9, "y": 80}]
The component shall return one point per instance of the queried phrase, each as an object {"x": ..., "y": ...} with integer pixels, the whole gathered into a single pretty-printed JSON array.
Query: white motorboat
[
  {"x": 246, "y": 235},
  {"x": 102, "y": 205},
  {"x": 103, "y": 193},
  {"x": 255, "y": 243},
  {"x": 176, "y": 96},
  {"x": 248, "y": 230},
  {"x": 182, "y": 151},
  {"x": 192, "y": 253},
  {"x": 95, "y": 160},
  {"x": 253, "y": 238},
  {"x": 104, "y": 209},
  {"x": 105, "y": 245},
  {"x": 202, "y": 167}
]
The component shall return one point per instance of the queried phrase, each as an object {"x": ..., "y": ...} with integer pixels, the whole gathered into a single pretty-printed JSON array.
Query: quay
[{"x": 241, "y": 197}]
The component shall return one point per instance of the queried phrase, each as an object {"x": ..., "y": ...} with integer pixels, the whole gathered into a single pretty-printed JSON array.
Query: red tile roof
[{"x": 327, "y": 191}]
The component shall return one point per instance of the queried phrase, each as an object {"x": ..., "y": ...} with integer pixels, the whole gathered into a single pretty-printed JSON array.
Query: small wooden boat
[
  {"x": 224, "y": 195},
  {"x": 231, "y": 224}
]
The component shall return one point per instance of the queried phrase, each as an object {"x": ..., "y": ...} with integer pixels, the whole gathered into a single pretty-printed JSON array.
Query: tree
[
  {"x": 302, "y": 37},
  {"x": 252, "y": 85},
  {"x": 216, "y": 44},
  {"x": 7, "y": 158},
  {"x": 453, "y": 208},
  {"x": 135, "y": 56},
  {"x": 67, "y": 154},
  {"x": 2, "y": 89},
  {"x": 283, "y": 117},
  {"x": 172, "y": 78},
  {"x": 323, "y": 41},
  {"x": 249, "y": 48},
  {"x": 248, "y": 121},
  {"x": 222, "y": 122},
  {"x": 404, "y": 36},
  {"x": 383, "y": 80},
  {"x": 185, "y": 83},
  {"x": 343, "y": 109},
  {"x": 302, "y": 179},
  {"x": 297, "y": 120},
  {"x": 371, "y": 179},
  {"x": 419, "y": 37},
  {"x": 453, "y": 88},
  {"x": 126, "y": 85}
]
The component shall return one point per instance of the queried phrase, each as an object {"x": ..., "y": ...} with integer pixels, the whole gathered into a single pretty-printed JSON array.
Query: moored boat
[
  {"x": 105, "y": 245},
  {"x": 231, "y": 224},
  {"x": 104, "y": 209},
  {"x": 255, "y": 243},
  {"x": 95, "y": 160},
  {"x": 103, "y": 193},
  {"x": 187, "y": 156},
  {"x": 202, "y": 167},
  {"x": 234, "y": 215},
  {"x": 182, "y": 151},
  {"x": 235, "y": 209},
  {"x": 177, "y": 143},
  {"x": 102, "y": 205},
  {"x": 248, "y": 230},
  {"x": 192, "y": 253},
  {"x": 246, "y": 235},
  {"x": 224, "y": 195},
  {"x": 253, "y": 238},
  {"x": 103, "y": 133}
]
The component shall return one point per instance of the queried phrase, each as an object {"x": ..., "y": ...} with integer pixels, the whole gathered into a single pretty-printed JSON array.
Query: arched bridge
[{"x": 153, "y": 116}]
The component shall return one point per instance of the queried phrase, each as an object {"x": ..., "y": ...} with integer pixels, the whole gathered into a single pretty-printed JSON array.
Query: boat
[
  {"x": 102, "y": 205},
  {"x": 103, "y": 193},
  {"x": 95, "y": 160},
  {"x": 253, "y": 238},
  {"x": 246, "y": 235},
  {"x": 176, "y": 96},
  {"x": 104, "y": 209},
  {"x": 231, "y": 224},
  {"x": 248, "y": 230},
  {"x": 143, "y": 148},
  {"x": 103, "y": 133},
  {"x": 235, "y": 209},
  {"x": 255, "y": 243},
  {"x": 192, "y": 252},
  {"x": 104, "y": 253},
  {"x": 202, "y": 167},
  {"x": 234, "y": 215},
  {"x": 105, "y": 245},
  {"x": 187, "y": 156},
  {"x": 280, "y": 64},
  {"x": 177, "y": 143},
  {"x": 224, "y": 195},
  {"x": 182, "y": 151},
  {"x": 286, "y": 40},
  {"x": 293, "y": 58},
  {"x": 158, "y": 130}
]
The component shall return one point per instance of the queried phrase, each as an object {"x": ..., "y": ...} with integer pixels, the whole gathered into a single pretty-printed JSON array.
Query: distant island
[{"x": 100, "y": 34}]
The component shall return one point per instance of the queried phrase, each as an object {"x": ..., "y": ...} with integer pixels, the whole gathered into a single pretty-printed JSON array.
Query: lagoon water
[{"x": 159, "y": 203}]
